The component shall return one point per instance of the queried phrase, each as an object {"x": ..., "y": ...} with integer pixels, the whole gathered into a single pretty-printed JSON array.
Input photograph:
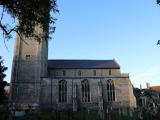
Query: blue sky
[{"x": 124, "y": 30}]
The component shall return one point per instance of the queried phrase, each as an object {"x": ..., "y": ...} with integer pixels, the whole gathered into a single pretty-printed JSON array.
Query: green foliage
[
  {"x": 45, "y": 114},
  {"x": 79, "y": 115},
  {"x": 2, "y": 69},
  {"x": 2, "y": 82},
  {"x": 4, "y": 113},
  {"x": 29, "y": 13},
  {"x": 115, "y": 115},
  {"x": 157, "y": 115},
  {"x": 49, "y": 114}
]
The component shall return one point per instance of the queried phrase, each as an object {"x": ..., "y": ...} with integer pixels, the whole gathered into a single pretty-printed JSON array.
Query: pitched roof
[
  {"x": 85, "y": 64},
  {"x": 155, "y": 88}
]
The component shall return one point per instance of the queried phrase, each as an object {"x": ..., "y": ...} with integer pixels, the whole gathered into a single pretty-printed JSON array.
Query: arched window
[
  {"x": 64, "y": 73},
  {"x": 94, "y": 72},
  {"x": 79, "y": 73},
  {"x": 110, "y": 91},
  {"x": 110, "y": 72},
  {"x": 85, "y": 91},
  {"x": 62, "y": 91}
]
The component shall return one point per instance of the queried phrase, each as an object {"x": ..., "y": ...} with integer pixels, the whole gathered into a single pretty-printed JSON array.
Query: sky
[{"x": 124, "y": 30}]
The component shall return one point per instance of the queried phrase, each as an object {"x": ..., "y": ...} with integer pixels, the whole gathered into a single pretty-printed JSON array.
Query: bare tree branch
[
  {"x": 2, "y": 14},
  {"x": 29, "y": 14}
]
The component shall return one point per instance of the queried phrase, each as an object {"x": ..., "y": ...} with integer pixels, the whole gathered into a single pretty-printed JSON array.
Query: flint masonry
[{"x": 66, "y": 84}]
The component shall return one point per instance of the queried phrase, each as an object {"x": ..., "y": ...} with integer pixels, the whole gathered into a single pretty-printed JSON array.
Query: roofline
[
  {"x": 116, "y": 62},
  {"x": 82, "y": 68},
  {"x": 155, "y": 86},
  {"x": 87, "y": 59}
]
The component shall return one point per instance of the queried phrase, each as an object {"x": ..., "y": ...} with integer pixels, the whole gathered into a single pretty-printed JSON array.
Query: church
[{"x": 63, "y": 84}]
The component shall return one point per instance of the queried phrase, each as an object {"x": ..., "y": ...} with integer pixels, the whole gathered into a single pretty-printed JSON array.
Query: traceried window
[
  {"x": 110, "y": 72},
  {"x": 64, "y": 73},
  {"x": 85, "y": 91},
  {"x": 79, "y": 73},
  {"x": 63, "y": 91},
  {"x": 94, "y": 72},
  {"x": 110, "y": 90},
  {"x": 28, "y": 57}
]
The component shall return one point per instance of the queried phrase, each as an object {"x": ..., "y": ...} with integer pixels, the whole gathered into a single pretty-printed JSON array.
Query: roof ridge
[
  {"x": 86, "y": 59},
  {"x": 77, "y": 63}
]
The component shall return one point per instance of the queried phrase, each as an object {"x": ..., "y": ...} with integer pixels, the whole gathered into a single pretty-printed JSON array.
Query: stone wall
[
  {"x": 123, "y": 89},
  {"x": 29, "y": 64}
]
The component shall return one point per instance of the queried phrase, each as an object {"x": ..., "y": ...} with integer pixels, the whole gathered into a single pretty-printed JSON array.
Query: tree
[
  {"x": 158, "y": 43},
  {"x": 29, "y": 14},
  {"x": 2, "y": 82}
]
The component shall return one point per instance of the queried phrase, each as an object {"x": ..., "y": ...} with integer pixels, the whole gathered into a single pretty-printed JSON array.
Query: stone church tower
[
  {"x": 66, "y": 84},
  {"x": 29, "y": 65}
]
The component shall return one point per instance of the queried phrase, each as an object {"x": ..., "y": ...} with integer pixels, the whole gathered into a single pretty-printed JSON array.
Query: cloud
[{"x": 150, "y": 75}]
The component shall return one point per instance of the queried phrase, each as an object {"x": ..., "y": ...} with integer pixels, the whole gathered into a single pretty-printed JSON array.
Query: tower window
[
  {"x": 110, "y": 72},
  {"x": 28, "y": 57},
  {"x": 85, "y": 91},
  {"x": 54, "y": 73},
  {"x": 63, "y": 91},
  {"x": 57, "y": 73},
  {"x": 64, "y": 73},
  {"x": 94, "y": 72},
  {"x": 79, "y": 73},
  {"x": 110, "y": 91}
]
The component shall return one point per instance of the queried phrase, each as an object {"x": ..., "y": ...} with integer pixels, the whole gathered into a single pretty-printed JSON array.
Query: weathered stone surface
[
  {"x": 29, "y": 64},
  {"x": 123, "y": 88},
  {"x": 33, "y": 83}
]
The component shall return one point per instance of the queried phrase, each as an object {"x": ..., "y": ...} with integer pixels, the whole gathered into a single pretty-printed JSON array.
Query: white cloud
[{"x": 151, "y": 75}]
